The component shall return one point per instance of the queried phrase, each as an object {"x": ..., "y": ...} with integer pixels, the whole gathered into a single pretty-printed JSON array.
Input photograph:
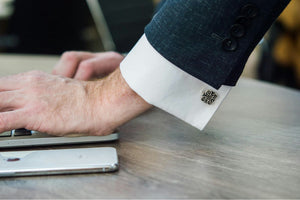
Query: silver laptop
[
  {"x": 26, "y": 138},
  {"x": 101, "y": 25}
]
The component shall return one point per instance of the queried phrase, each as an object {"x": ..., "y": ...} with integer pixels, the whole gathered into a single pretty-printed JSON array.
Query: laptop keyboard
[
  {"x": 5, "y": 134},
  {"x": 17, "y": 132},
  {"x": 23, "y": 138},
  {"x": 21, "y": 132}
]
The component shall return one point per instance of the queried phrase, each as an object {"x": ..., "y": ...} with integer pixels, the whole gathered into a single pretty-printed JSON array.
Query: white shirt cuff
[{"x": 162, "y": 84}]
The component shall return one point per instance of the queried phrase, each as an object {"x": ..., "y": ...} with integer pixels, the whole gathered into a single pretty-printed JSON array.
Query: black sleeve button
[
  {"x": 250, "y": 11},
  {"x": 242, "y": 20},
  {"x": 237, "y": 30},
  {"x": 230, "y": 44}
]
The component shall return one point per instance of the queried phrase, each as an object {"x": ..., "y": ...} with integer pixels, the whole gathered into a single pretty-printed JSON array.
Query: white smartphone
[{"x": 62, "y": 161}]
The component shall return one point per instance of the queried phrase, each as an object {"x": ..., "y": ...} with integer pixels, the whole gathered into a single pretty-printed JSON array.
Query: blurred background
[{"x": 53, "y": 26}]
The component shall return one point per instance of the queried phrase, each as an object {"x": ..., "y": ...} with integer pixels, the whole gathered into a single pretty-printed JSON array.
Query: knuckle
[
  {"x": 34, "y": 76},
  {"x": 87, "y": 66},
  {"x": 114, "y": 55},
  {"x": 36, "y": 73},
  {"x": 70, "y": 56}
]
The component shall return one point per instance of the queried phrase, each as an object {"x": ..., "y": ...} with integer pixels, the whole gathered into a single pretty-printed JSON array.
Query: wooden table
[{"x": 250, "y": 149}]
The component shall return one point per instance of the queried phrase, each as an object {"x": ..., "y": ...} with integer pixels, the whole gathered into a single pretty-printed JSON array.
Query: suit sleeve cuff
[{"x": 162, "y": 84}]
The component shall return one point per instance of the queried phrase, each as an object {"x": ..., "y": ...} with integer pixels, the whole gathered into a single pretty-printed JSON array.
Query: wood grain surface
[
  {"x": 250, "y": 149},
  {"x": 13, "y": 63}
]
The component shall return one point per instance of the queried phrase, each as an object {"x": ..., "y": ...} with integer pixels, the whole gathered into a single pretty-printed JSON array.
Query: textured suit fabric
[{"x": 211, "y": 39}]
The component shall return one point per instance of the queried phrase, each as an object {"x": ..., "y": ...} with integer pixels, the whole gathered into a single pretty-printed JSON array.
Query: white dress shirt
[{"x": 162, "y": 84}]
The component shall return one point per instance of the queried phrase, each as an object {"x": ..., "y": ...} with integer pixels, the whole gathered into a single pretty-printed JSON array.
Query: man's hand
[
  {"x": 85, "y": 65},
  {"x": 62, "y": 106}
]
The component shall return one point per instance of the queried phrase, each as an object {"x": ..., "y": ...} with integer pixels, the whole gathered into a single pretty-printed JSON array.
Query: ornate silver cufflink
[{"x": 209, "y": 97}]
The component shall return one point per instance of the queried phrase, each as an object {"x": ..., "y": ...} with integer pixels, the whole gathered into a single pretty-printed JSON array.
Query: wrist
[
  {"x": 124, "y": 104},
  {"x": 115, "y": 101}
]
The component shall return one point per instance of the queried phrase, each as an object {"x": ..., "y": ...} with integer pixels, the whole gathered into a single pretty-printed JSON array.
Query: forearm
[{"x": 116, "y": 100}]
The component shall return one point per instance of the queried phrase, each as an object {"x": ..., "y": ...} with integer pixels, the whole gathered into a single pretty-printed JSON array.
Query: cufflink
[{"x": 209, "y": 97}]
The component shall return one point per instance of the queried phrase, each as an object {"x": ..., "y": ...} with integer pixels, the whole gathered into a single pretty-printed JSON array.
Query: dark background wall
[{"x": 55, "y": 26}]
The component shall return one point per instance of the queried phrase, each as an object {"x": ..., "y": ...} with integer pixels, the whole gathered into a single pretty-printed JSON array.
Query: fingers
[
  {"x": 68, "y": 64},
  {"x": 22, "y": 80},
  {"x": 12, "y": 120},
  {"x": 10, "y": 100},
  {"x": 85, "y": 65},
  {"x": 9, "y": 83},
  {"x": 101, "y": 65},
  {"x": 86, "y": 69}
]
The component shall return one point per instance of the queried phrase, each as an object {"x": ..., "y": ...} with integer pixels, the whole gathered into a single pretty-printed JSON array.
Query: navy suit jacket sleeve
[{"x": 211, "y": 39}]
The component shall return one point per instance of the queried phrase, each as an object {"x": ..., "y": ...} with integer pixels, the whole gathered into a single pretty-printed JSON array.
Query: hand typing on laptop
[
  {"x": 59, "y": 105},
  {"x": 85, "y": 65}
]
